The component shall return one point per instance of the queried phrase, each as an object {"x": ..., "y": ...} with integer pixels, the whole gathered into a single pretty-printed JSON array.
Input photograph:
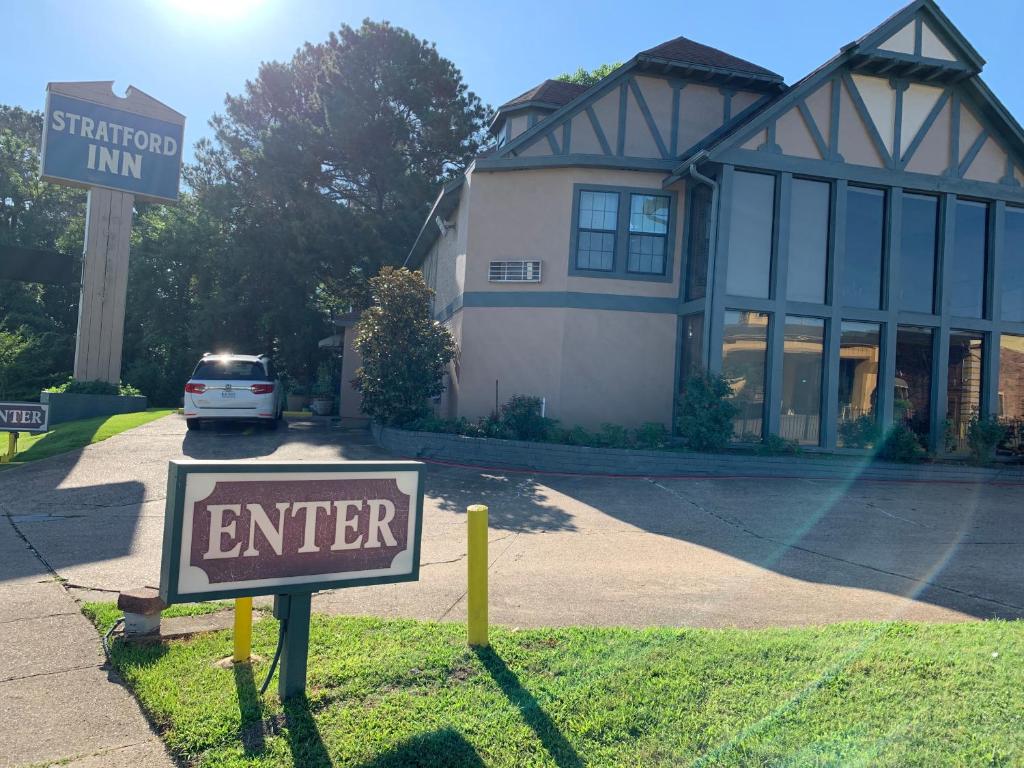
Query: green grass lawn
[
  {"x": 77, "y": 434},
  {"x": 406, "y": 693}
]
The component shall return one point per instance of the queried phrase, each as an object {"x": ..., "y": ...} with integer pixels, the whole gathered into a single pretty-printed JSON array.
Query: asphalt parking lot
[{"x": 574, "y": 549}]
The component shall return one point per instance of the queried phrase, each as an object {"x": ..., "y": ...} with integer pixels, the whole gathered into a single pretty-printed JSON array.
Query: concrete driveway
[{"x": 578, "y": 550}]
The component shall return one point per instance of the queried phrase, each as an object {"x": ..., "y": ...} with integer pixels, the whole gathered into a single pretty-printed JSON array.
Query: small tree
[
  {"x": 588, "y": 78},
  {"x": 405, "y": 352},
  {"x": 705, "y": 414}
]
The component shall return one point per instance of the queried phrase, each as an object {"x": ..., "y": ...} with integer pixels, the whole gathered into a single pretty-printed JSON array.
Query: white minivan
[{"x": 239, "y": 387}]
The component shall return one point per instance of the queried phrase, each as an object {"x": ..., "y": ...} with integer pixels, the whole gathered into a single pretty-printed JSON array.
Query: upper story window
[
  {"x": 860, "y": 283},
  {"x": 970, "y": 249},
  {"x": 919, "y": 239},
  {"x": 1013, "y": 265},
  {"x": 751, "y": 232},
  {"x": 809, "y": 208},
  {"x": 648, "y": 234},
  {"x": 622, "y": 234},
  {"x": 598, "y": 222}
]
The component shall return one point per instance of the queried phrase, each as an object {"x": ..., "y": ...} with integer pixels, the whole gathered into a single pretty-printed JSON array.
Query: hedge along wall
[{"x": 573, "y": 459}]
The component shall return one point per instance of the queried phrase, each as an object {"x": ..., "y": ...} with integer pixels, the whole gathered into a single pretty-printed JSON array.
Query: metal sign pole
[{"x": 294, "y": 610}]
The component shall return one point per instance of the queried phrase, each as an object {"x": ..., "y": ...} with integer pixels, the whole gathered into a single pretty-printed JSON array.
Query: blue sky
[{"x": 190, "y": 53}]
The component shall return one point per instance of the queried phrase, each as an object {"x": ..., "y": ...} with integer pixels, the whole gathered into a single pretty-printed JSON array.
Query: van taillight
[
  {"x": 195, "y": 389},
  {"x": 261, "y": 389}
]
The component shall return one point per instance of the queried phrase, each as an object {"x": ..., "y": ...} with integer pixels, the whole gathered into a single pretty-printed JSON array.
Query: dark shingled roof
[
  {"x": 687, "y": 51},
  {"x": 557, "y": 92}
]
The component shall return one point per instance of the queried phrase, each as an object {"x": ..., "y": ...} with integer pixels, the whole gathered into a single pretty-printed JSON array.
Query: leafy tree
[
  {"x": 588, "y": 78},
  {"x": 336, "y": 155},
  {"x": 405, "y": 351},
  {"x": 36, "y": 215},
  {"x": 705, "y": 413}
]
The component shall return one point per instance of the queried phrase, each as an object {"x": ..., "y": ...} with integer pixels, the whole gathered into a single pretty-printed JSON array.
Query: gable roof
[
  {"x": 686, "y": 51},
  {"x": 556, "y": 93},
  {"x": 861, "y": 52}
]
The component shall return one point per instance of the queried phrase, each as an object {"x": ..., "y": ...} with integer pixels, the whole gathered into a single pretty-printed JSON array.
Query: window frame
[{"x": 620, "y": 254}]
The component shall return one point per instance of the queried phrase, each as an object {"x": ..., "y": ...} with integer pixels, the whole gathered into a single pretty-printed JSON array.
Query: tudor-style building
[{"x": 848, "y": 250}]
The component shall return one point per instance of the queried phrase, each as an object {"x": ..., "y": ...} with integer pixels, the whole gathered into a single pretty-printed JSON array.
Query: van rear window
[{"x": 230, "y": 370}]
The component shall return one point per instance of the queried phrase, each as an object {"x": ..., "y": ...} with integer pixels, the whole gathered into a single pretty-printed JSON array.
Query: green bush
[
  {"x": 983, "y": 437},
  {"x": 75, "y": 387},
  {"x": 521, "y": 416},
  {"x": 773, "y": 445},
  {"x": 405, "y": 352},
  {"x": 652, "y": 435},
  {"x": 862, "y": 432},
  {"x": 705, "y": 413},
  {"x": 613, "y": 436},
  {"x": 901, "y": 445}
]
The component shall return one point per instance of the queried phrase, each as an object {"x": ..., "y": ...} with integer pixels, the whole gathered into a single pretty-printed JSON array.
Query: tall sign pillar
[{"x": 120, "y": 149}]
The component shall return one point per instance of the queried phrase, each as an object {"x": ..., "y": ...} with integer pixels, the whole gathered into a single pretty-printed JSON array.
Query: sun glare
[{"x": 214, "y": 10}]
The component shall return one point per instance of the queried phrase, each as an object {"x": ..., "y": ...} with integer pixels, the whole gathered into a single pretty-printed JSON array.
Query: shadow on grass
[
  {"x": 554, "y": 742},
  {"x": 445, "y": 748},
  {"x": 250, "y": 710}
]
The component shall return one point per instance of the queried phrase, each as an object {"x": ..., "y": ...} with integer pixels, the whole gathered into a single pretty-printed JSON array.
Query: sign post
[
  {"x": 239, "y": 529},
  {"x": 119, "y": 149},
  {"x": 21, "y": 417}
]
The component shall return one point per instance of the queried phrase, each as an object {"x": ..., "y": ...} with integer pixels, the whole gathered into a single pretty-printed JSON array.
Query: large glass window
[
  {"x": 1011, "y": 391},
  {"x": 912, "y": 389},
  {"x": 744, "y": 352},
  {"x": 751, "y": 230},
  {"x": 800, "y": 415},
  {"x": 918, "y": 250},
  {"x": 808, "y": 241},
  {"x": 860, "y": 282},
  {"x": 598, "y": 220},
  {"x": 692, "y": 358},
  {"x": 698, "y": 242},
  {"x": 859, "y": 353},
  {"x": 648, "y": 234},
  {"x": 966, "y": 356},
  {"x": 1012, "y": 270},
  {"x": 967, "y": 275}
]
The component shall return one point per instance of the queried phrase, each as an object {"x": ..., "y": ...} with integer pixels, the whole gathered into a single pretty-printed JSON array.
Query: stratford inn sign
[{"x": 240, "y": 529}]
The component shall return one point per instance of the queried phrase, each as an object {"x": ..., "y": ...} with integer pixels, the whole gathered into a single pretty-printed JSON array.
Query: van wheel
[{"x": 192, "y": 424}]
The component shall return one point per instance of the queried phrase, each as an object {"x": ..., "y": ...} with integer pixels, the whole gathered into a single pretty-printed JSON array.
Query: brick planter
[{"x": 573, "y": 459}]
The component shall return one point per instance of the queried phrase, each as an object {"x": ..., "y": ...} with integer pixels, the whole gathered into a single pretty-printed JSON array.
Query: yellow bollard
[
  {"x": 477, "y": 560},
  {"x": 243, "y": 629},
  {"x": 12, "y": 448}
]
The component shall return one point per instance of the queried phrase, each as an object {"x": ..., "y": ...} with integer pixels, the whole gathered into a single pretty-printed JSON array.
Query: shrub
[
  {"x": 521, "y": 417},
  {"x": 983, "y": 437},
  {"x": 862, "y": 432},
  {"x": 901, "y": 445},
  {"x": 705, "y": 413},
  {"x": 575, "y": 436},
  {"x": 76, "y": 387},
  {"x": 651, "y": 435},
  {"x": 613, "y": 436},
  {"x": 405, "y": 352},
  {"x": 773, "y": 445}
]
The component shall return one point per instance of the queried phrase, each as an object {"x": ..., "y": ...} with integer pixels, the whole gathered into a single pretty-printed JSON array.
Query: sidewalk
[{"x": 57, "y": 703}]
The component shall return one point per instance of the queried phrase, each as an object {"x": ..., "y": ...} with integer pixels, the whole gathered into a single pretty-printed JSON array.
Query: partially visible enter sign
[
  {"x": 92, "y": 138},
  {"x": 234, "y": 529},
  {"x": 23, "y": 417}
]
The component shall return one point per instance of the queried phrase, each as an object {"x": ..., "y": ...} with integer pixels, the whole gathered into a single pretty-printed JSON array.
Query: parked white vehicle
[{"x": 239, "y": 387}]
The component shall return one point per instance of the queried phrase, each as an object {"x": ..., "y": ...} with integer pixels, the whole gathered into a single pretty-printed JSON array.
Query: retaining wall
[{"x": 71, "y": 406}]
